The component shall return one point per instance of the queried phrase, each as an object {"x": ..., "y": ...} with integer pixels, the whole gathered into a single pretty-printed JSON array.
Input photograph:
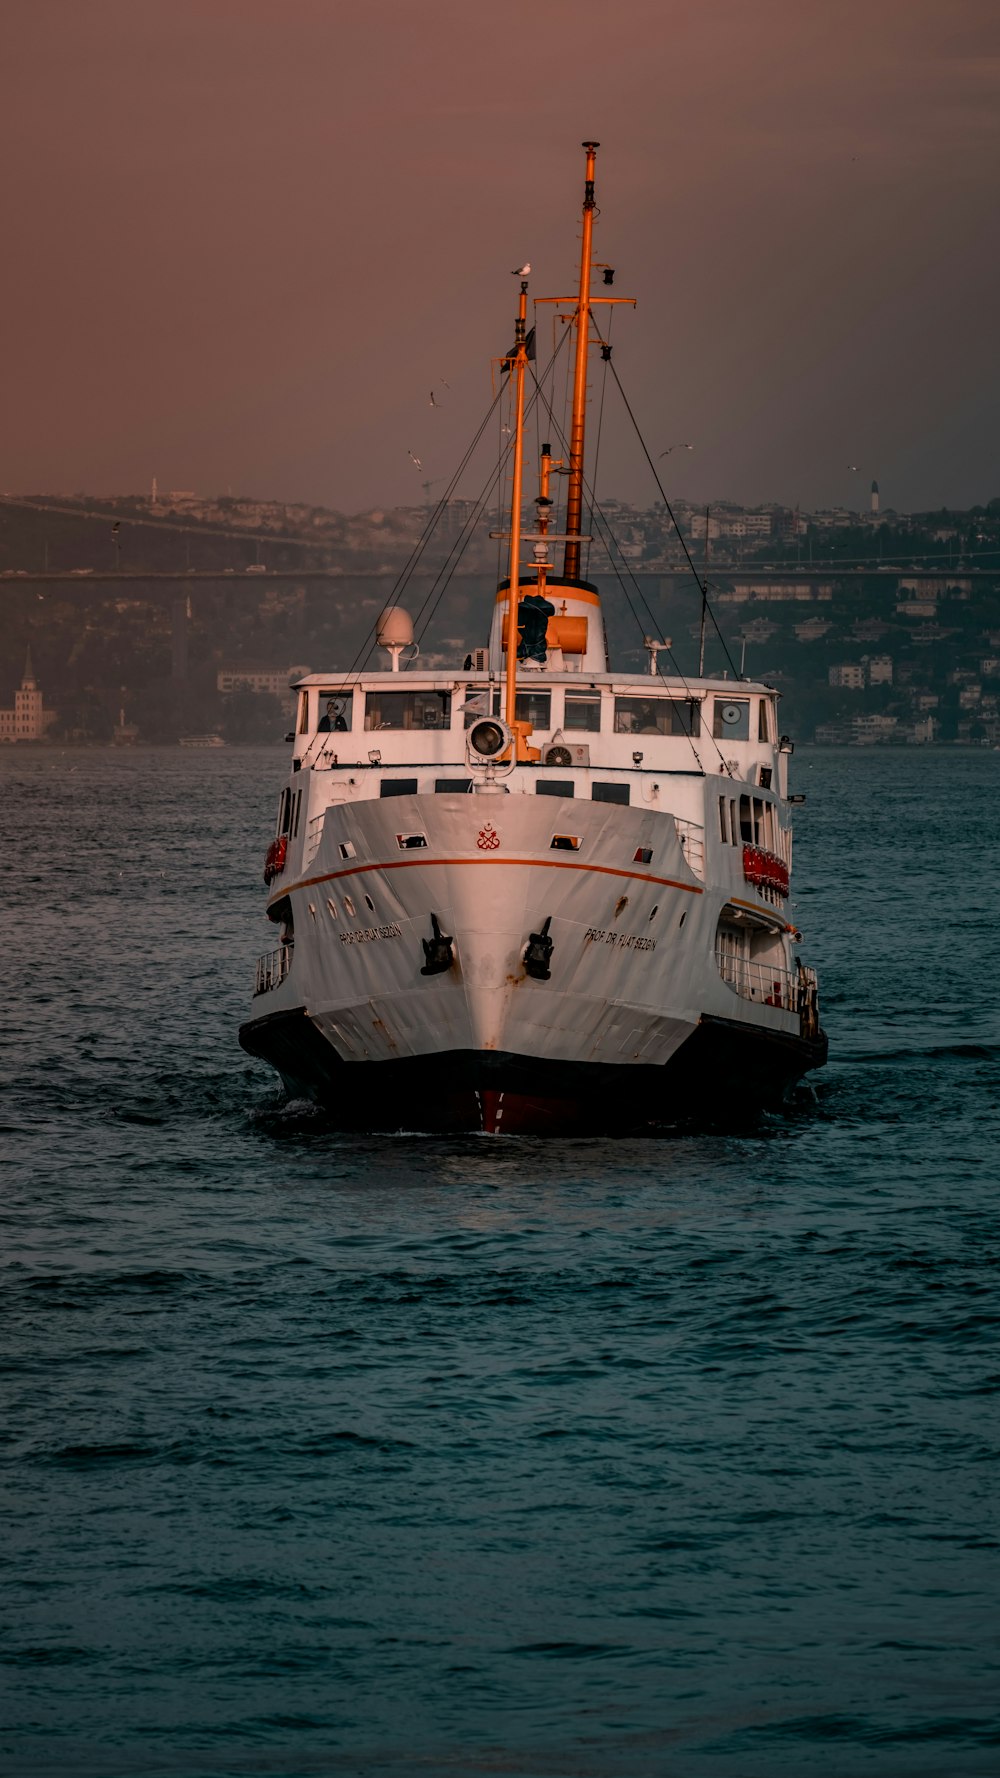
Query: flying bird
[
  {"x": 852, "y": 466},
  {"x": 676, "y": 447},
  {"x": 522, "y": 271},
  {"x": 414, "y": 459}
]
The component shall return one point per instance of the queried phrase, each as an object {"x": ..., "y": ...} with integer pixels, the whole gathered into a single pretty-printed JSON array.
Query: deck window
[
  {"x": 723, "y": 821},
  {"x": 763, "y": 727},
  {"x": 657, "y": 716},
  {"x": 555, "y": 787},
  {"x": 407, "y": 709},
  {"x": 732, "y": 719},
  {"x": 610, "y": 793},
  {"x": 398, "y": 787},
  {"x": 583, "y": 712},
  {"x": 746, "y": 821}
]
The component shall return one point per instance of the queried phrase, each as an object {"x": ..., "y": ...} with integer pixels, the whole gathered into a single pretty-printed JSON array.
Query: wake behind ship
[{"x": 532, "y": 894}]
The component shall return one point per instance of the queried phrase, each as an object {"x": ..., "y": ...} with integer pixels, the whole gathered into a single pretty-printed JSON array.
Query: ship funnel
[{"x": 394, "y": 631}]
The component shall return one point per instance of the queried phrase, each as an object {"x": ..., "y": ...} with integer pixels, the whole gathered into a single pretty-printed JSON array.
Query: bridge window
[
  {"x": 763, "y": 727},
  {"x": 534, "y": 707},
  {"x": 452, "y": 786},
  {"x": 398, "y": 787},
  {"x": 732, "y": 719},
  {"x": 335, "y": 711},
  {"x": 583, "y": 711},
  {"x": 529, "y": 706},
  {"x": 407, "y": 709},
  {"x": 657, "y": 716},
  {"x": 555, "y": 787}
]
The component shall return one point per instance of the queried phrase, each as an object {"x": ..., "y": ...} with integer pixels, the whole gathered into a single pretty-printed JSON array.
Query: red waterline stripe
[{"x": 607, "y": 870}]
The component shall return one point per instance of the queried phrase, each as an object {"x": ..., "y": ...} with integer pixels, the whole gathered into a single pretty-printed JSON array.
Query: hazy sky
[{"x": 244, "y": 238}]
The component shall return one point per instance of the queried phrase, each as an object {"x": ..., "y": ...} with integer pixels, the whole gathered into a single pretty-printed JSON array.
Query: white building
[
  {"x": 880, "y": 669},
  {"x": 849, "y": 675},
  {"x": 274, "y": 681},
  {"x": 29, "y": 719}
]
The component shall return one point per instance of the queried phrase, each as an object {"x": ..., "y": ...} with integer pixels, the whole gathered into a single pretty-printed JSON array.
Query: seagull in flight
[
  {"x": 676, "y": 447},
  {"x": 852, "y": 466},
  {"x": 522, "y": 271},
  {"x": 414, "y": 459}
]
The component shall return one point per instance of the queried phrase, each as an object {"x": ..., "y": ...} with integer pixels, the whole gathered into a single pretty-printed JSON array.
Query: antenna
[{"x": 704, "y": 598}]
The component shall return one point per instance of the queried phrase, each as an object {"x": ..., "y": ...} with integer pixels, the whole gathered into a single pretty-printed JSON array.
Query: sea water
[{"x": 335, "y": 1455}]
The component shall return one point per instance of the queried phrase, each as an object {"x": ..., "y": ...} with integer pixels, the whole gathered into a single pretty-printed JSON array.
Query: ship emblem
[{"x": 489, "y": 839}]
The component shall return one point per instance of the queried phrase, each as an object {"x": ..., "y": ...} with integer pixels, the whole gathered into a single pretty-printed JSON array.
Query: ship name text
[{"x": 625, "y": 941}]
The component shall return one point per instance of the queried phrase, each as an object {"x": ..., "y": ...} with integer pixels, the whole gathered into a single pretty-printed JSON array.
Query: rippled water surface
[{"x": 328, "y": 1455}]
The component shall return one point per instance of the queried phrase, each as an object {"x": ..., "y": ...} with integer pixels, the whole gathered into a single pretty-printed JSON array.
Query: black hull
[{"x": 724, "y": 1072}]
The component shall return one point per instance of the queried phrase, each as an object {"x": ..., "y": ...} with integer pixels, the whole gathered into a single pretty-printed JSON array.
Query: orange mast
[
  {"x": 518, "y": 363},
  {"x": 581, "y": 321}
]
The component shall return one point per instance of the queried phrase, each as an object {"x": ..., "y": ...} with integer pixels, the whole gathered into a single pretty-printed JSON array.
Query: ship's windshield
[
  {"x": 732, "y": 719},
  {"x": 530, "y": 706},
  {"x": 335, "y": 710},
  {"x": 657, "y": 716},
  {"x": 583, "y": 711},
  {"x": 407, "y": 709}
]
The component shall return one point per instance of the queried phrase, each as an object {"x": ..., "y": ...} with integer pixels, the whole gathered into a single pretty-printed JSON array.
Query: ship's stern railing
[
  {"x": 765, "y": 983},
  {"x": 272, "y": 969}
]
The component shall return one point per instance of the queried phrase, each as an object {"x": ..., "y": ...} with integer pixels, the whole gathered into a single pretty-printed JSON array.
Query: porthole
[
  {"x": 348, "y": 906},
  {"x": 333, "y": 909},
  {"x": 370, "y": 904}
]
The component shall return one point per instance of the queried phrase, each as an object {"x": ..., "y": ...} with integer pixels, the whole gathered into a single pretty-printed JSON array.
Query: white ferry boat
[{"x": 532, "y": 894}]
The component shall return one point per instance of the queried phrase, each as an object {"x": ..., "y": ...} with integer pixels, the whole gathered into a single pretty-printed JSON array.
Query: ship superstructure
[{"x": 533, "y": 894}]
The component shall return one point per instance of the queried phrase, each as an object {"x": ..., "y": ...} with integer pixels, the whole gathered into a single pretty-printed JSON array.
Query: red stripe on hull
[{"x": 523, "y": 1114}]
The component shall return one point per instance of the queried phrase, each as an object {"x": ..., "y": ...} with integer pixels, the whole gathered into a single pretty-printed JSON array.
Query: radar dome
[{"x": 394, "y": 628}]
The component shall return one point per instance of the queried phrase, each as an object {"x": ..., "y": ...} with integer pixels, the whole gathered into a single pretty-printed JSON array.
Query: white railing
[
  {"x": 272, "y": 968},
  {"x": 762, "y": 982},
  {"x": 692, "y": 839}
]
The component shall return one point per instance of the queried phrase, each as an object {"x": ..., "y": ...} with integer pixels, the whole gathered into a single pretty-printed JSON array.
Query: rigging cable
[
  {"x": 702, "y": 584},
  {"x": 449, "y": 566},
  {"x": 606, "y": 358},
  {"x": 651, "y": 616},
  {"x": 409, "y": 567}
]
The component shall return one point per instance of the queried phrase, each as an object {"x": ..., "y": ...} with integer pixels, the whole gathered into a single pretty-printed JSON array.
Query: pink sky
[{"x": 244, "y": 238}]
